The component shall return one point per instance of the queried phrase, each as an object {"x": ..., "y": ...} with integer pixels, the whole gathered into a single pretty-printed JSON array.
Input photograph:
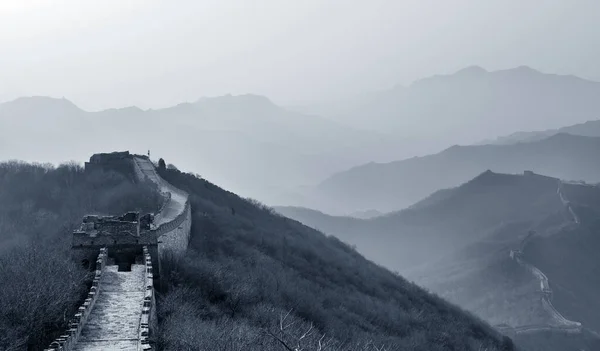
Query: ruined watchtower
[
  {"x": 119, "y": 161},
  {"x": 124, "y": 236}
]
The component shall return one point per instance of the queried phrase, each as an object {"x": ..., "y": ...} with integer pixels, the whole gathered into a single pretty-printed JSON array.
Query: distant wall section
[{"x": 174, "y": 236}]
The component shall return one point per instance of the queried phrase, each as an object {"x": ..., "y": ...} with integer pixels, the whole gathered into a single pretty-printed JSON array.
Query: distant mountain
[
  {"x": 589, "y": 128},
  {"x": 395, "y": 185},
  {"x": 246, "y": 142},
  {"x": 471, "y": 105},
  {"x": 457, "y": 242},
  {"x": 365, "y": 214}
]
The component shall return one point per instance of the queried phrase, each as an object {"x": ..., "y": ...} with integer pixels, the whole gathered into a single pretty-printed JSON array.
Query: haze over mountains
[
  {"x": 446, "y": 221},
  {"x": 246, "y": 142},
  {"x": 471, "y": 105},
  {"x": 261, "y": 150}
]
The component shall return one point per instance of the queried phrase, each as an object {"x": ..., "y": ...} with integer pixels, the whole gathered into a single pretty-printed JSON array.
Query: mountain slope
[
  {"x": 570, "y": 257},
  {"x": 457, "y": 243},
  {"x": 249, "y": 267},
  {"x": 392, "y": 186}
]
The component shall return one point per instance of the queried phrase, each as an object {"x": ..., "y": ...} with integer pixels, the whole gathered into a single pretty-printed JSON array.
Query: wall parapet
[
  {"x": 149, "y": 306},
  {"x": 67, "y": 341}
]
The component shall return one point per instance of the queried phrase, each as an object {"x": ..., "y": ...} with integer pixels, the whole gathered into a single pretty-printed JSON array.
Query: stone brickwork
[
  {"x": 148, "y": 318},
  {"x": 115, "y": 319},
  {"x": 117, "y": 232}
]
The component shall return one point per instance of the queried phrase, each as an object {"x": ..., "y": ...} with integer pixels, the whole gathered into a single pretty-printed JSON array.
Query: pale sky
[{"x": 151, "y": 53}]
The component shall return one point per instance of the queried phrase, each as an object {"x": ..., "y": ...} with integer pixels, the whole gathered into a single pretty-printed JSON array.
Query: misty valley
[{"x": 303, "y": 176}]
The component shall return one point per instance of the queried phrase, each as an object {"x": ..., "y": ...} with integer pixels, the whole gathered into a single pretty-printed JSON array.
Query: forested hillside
[{"x": 255, "y": 280}]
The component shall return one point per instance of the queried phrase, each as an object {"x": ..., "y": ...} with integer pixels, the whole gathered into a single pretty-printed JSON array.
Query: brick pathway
[
  {"x": 176, "y": 204},
  {"x": 114, "y": 321}
]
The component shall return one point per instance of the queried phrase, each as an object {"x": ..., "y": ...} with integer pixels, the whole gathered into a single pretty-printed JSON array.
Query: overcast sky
[{"x": 115, "y": 53}]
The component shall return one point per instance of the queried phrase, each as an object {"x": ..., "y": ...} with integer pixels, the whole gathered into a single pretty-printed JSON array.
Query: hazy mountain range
[
  {"x": 246, "y": 142},
  {"x": 261, "y": 150},
  {"x": 470, "y": 105},
  {"x": 447, "y": 220},
  {"x": 395, "y": 185},
  {"x": 589, "y": 128}
]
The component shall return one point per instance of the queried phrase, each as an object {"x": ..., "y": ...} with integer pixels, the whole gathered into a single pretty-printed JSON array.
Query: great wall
[
  {"x": 119, "y": 311},
  {"x": 559, "y": 322}
]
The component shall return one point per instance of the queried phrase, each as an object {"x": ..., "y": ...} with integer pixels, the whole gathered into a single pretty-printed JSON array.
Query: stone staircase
[{"x": 115, "y": 319}]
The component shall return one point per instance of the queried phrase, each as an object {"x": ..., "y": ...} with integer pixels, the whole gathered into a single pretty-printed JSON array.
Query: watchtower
[{"x": 125, "y": 236}]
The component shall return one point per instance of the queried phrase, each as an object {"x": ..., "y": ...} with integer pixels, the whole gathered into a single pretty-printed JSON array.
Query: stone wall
[
  {"x": 67, "y": 341},
  {"x": 560, "y": 323},
  {"x": 174, "y": 236},
  {"x": 148, "y": 318},
  {"x": 81, "y": 240}
]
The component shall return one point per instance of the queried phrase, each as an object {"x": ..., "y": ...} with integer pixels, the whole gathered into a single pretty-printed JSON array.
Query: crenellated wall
[
  {"x": 148, "y": 319},
  {"x": 67, "y": 341}
]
